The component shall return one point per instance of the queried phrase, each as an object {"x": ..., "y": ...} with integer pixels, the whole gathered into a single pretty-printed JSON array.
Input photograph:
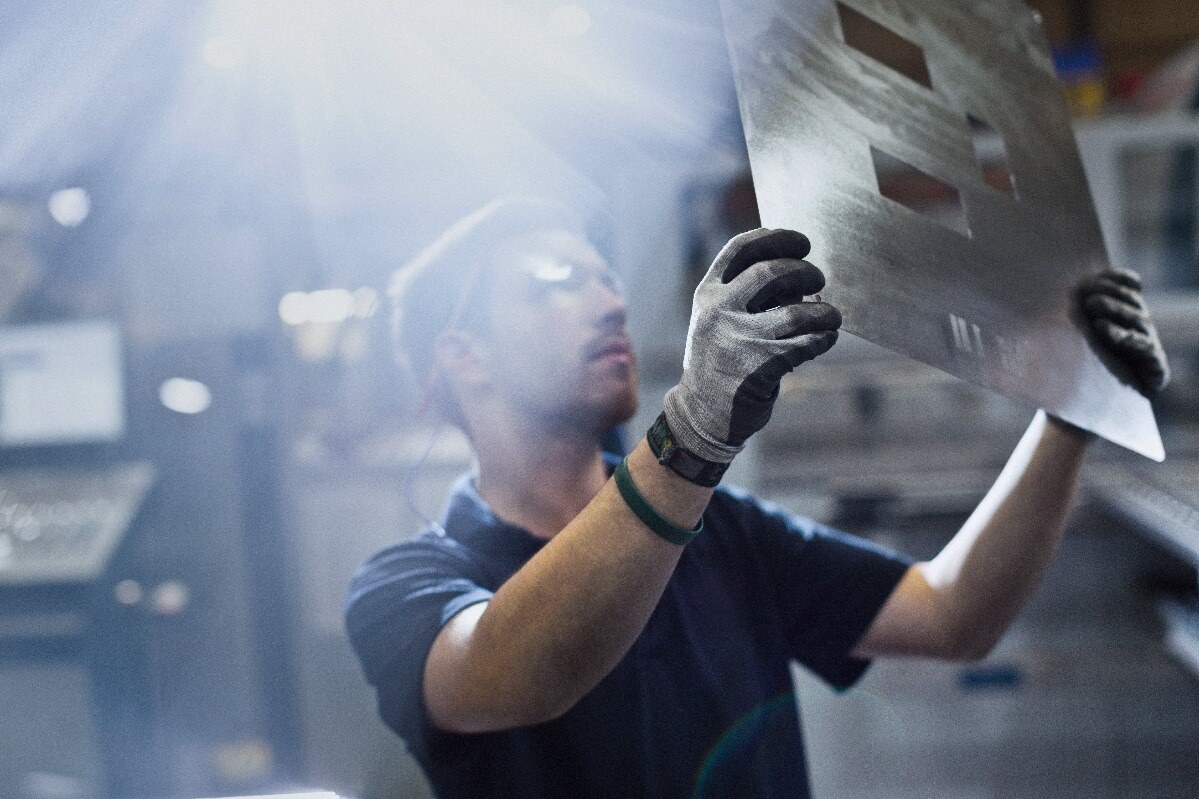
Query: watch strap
[{"x": 690, "y": 467}]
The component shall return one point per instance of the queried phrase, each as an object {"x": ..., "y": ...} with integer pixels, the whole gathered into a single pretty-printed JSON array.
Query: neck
[{"x": 537, "y": 478}]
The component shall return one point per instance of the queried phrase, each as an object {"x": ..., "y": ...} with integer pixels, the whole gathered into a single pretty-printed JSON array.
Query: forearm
[
  {"x": 990, "y": 569},
  {"x": 566, "y": 618}
]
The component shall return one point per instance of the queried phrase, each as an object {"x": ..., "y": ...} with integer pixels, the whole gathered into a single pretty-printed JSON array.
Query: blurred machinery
[
  {"x": 63, "y": 526},
  {"x": 18, "y": 268},
  {"x": 62, "y": 653},
  {"x": 1162, "y": 503},
  {"x": 60, "y": 527},
  {"x": 143, "y": 634}
]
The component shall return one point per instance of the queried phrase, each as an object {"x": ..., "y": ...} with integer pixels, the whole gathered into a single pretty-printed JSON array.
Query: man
[{"x": 573, "y": 634}]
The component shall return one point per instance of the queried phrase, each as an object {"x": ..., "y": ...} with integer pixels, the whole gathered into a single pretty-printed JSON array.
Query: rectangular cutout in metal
[
  {"x": 991, "y": 152},
  {"x": 919, "y": 191},
  {"x": 883, "y": 45}
]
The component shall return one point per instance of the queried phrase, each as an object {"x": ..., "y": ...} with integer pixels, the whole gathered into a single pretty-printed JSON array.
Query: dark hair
[{"x": 426, "y": 291}]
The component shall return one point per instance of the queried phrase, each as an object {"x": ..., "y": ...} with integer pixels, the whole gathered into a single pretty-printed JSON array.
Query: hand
[
  {"x": 749, "y": 327},
  {"x": 1120, "y": 330}
]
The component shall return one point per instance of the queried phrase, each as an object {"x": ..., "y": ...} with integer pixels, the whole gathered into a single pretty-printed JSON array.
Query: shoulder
[
  {"x": 429, "y": 556},
  {"x": 429, "y": 545},
  {"x": 401, "y": 597}
]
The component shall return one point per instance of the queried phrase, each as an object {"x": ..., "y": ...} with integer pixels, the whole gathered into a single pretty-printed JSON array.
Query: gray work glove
[
  {"x": 749, "y": 327},
  {"x": 1120, "y": 331}
]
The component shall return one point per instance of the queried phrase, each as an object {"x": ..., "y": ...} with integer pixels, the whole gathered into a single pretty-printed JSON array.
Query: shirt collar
[{"x": 471, "y": 520}]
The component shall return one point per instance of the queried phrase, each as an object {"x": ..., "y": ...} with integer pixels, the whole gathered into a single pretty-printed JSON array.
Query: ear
[{"x": 459, "y": 356}]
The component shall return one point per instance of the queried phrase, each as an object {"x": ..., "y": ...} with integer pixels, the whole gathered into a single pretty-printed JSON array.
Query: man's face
[{"x": 558, "y": 348}]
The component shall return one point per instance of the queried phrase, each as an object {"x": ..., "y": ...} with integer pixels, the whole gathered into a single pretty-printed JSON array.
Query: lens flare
[{"x": 749, "y": 729}]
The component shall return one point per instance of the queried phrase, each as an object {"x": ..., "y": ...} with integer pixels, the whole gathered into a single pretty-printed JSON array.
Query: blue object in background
[
  {"x": 991, "y": 678},
  {"x": 1078, "y": 60}
]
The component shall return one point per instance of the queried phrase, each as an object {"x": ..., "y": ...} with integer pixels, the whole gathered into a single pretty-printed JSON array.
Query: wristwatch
[{"x": 690, "y": 467}]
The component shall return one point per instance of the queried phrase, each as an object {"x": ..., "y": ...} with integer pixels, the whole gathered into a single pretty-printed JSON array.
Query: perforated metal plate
[{"x": 877, "y": 164}]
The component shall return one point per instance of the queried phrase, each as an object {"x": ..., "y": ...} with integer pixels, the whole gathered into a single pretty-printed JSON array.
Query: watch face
[{"x": 660, "y": 439}]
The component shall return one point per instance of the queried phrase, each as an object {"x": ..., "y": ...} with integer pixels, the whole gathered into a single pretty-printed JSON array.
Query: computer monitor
[{"x": 61, "y": 384}]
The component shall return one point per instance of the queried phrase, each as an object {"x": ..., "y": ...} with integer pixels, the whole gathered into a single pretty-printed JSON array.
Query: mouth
[{"x": 614, "y": 349}]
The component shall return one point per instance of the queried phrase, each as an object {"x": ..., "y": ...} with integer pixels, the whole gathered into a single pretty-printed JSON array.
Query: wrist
[
  {"x": 680, "y": 501},
  {"x": 672, "y": 454},
  {"x": 645, "y": 511},
  {"x": 1072, "y": 433}
]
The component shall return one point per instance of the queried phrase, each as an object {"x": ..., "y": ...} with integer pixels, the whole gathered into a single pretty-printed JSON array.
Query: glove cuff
[{"x": 682, "y": 421}]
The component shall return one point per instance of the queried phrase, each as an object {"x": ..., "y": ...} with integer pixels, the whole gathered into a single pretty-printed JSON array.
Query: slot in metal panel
[{"x": 987, "y": 299}]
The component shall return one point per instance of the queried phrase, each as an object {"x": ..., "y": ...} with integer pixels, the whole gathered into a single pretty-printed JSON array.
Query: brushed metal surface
[{"x": 989, "y": 303}]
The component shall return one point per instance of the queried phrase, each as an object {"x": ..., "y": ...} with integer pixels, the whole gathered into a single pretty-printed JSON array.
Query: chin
[
  {"x": 596, "y": 406},
  {"x": 598, "y": 415},
  {"x": 618, "y": 411}
]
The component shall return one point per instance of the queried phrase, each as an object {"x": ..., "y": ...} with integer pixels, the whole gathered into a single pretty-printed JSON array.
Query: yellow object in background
[
  {"x": 1085, "y": 98},
  {"x": 1080, "y": 69}
]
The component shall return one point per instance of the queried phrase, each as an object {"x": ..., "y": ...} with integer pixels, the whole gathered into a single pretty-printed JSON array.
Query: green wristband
[{"x": 646, "y": 513}]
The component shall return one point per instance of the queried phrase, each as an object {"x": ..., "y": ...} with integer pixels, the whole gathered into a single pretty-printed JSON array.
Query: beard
[
  {"x": 589, "y": 410},
  {"x": 621, "y": 409}
]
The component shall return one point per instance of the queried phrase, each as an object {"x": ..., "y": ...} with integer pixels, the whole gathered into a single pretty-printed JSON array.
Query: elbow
[
  {"x": 545, "y": 698},
  {"x": 514, "y": 715},
  {"x": 534, "y": 710},
  {"x": 543, "y": 712},
  {"x": 970, "y": 646},
  {"x": 974, "y": 652},
  {"x": 504, "y": 710},
  {"x": 535, "y": 707},
  {"x": 490, "y": 717}
]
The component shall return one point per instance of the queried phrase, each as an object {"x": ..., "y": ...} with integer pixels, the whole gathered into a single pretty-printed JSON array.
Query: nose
[{"x": 611, "y": 305}]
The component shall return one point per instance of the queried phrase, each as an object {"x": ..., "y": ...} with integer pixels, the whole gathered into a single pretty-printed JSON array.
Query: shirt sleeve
[
  {"x": 828, "y": 587},
  {"x": 397, "y": 604}
]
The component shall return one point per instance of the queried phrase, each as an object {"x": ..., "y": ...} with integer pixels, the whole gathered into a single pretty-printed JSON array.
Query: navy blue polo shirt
[{"x": 701, "y": 706}]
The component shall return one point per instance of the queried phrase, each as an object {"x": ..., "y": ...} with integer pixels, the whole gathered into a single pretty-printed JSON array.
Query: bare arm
[
  {"x": 567, "y": 617},
  {"x": 959, "y": 604}
]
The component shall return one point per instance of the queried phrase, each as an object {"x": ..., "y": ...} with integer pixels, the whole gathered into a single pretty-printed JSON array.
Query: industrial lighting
[
  {"x": 293, "y": 307},
  {"x": 182, "y": 395},
  {"x": 69, "y": 207},
  {"x": 128, "y": 592},
  {"x": 330, "y": 305},
  {"x": 327, "y": 306},
  {"x": 170, "y": 598}
]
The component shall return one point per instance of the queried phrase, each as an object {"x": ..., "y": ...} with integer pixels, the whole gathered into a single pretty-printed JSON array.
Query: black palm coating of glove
[
  {"x": 749, "y": 327},
  {"x": 1119, "y": 329}
]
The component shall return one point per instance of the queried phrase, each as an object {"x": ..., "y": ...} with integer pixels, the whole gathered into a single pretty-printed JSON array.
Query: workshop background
[{"x": 202, "y": 433}]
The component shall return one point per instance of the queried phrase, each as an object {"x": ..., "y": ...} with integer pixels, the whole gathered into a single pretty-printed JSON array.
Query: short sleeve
[
  {"x": 397, "y": 604},
  {"x": 828, "y": 587}
]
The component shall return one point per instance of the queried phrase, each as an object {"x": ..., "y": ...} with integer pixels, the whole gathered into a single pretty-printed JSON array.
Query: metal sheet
[{"x": 982, "y": 292}]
